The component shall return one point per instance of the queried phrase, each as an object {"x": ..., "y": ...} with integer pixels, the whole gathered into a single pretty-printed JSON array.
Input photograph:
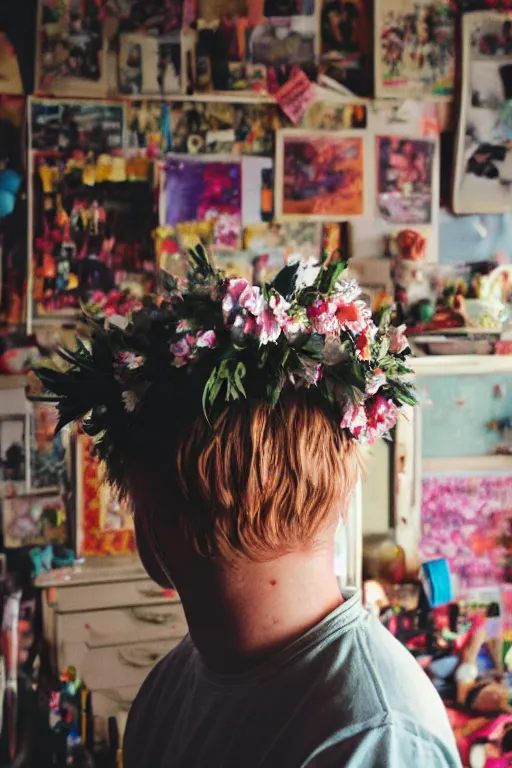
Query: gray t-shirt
[{"x": 344, "y": 695}]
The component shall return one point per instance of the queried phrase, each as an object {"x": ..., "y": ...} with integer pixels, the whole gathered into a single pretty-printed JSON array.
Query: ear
[{"x": 147, "y": 555}]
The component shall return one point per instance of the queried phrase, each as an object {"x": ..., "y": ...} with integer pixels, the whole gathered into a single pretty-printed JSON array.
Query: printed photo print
[
  {"x": 319, "y": 175},
  {"x": 483, "y": 177},
  {"x": 70, "y": 40},
  {"x": 414, "y": 49},
  {"x": 69, "y": 126},
  {"x": 345, "y": 44},
  {"x": 404, "y": 172}
]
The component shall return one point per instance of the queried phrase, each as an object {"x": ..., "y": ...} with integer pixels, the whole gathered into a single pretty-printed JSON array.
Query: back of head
[{"x": 260, "y": 482}]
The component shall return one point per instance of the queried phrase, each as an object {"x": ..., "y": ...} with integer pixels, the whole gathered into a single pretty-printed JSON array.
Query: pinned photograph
[
  {"x": 414, "y": 49},
  {"x": 47, "y": 453},
  {"x": 76, "y": 125},
  {"x": 319, "y": 175},
  {"x": 33, "y": 521},
  {"x": 404, "y": 179},
  {"x": 331, "y": 116},
  {"x": 12, "y": 455},
  {"x": 345, "y": 44},
  {"x": 70, "y": 47},
  {"x": 204, "y": 190},
  {"x": 483, "y": 164},
  {"x": 152, "y": 66},
  {"x": 282, "y": 43}
]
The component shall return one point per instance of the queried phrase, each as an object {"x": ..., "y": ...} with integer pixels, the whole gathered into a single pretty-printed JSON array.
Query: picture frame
[
  {"x": 319, "y": 175},
  {"x": 345, "y": 45},
  {"x": 71, "y": 50},
  {"x": 104, "y": 525},
  {"x": 414, "y": 46},
  {"x": 68, "y": 125},
  {"x": 406, "y": 170},
  {"x": 482, "y": 181},
  {"x": 154, "y": 66},
  {"x": 33, "y": 520}
]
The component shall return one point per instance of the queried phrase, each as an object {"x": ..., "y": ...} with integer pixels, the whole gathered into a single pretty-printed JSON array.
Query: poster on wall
[
  {"x": 47, "y": 451},
  {"x": 404, "y": 179},
  {"x": 33, "y": 520},
  {"x": 70, "y": 48},
  {"x": 483, "y": 165},
  {"x": 13, "y": 468},
  {"x": 93, "y": 223},
  {"x": 211, "y": 190},
  {"x": 464, "y": 519},
  {"x": 332, "y": 116},
  {"x": 153, "y": 66},
  {"x": 414, "y": 49},
  {"x": 68, "y": 126},
  {"x": 319, "y": 175},
  {"x": 105, "y": 524},
  {"x": 345, "y": 44},
  {"x": 280, "y": 43}
]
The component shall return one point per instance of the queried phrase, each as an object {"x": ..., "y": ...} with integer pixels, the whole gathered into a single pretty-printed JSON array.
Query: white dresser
[{"x": 112, "y": 623}]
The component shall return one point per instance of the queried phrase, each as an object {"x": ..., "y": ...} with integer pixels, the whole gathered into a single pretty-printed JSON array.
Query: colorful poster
[
  {"x": 319, "y": 175},
  {"x": 47, "y": 453},
  {"x": 204, "y": 191},
  {"x": 332, "y": 116},
  {"x": 483, "y": 169},
  {"x": 33, "y": 520},
  {"x": 282, "y": 43},
  {"x": 70, "y": 46},
  {"x": 414, "y": 49},
  {"x": 404, "y": 179},
  {"x": 105, "y": 524},
  {"x": 70, "y": 126},
  {"x": 92, "y": 234},
  {"x": 345, "y": 44},
  {"x": 464, "y": 520}
]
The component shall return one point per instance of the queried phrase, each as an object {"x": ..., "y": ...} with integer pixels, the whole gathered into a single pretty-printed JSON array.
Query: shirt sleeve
[{"x": 386, "y": 746}]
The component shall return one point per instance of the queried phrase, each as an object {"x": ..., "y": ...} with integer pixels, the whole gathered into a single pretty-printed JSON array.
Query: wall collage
[{"x": 271, "y": 130}]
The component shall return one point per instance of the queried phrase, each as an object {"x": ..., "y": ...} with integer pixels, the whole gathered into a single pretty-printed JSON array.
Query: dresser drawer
[
  {"x": 122, "y": 625},
  {"x": 116, "y": 667},
  {"x": 112, "y": 595}
]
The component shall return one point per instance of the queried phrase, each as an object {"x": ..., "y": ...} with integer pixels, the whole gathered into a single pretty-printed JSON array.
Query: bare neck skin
[{"x": 240, "y": 614}]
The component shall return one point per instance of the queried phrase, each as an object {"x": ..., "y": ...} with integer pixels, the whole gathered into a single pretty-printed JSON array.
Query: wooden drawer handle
[
  {"x": 141, "y": 659},
  {"x": 153, "y": 590},
  {"x": 156, "y": 617}
]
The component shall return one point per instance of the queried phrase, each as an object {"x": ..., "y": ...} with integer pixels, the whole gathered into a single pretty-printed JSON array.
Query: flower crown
[{"x": 217, "y": 340}]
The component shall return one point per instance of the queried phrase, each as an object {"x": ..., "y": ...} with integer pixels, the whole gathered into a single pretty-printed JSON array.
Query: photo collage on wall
[{"x": 483, "y": 177}]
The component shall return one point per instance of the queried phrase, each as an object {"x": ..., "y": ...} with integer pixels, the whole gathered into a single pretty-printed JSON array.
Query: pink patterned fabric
[{"x": 463, "y": 520}]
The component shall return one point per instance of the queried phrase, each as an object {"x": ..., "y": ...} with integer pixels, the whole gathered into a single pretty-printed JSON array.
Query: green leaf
[{"x": 240, "y": 372}]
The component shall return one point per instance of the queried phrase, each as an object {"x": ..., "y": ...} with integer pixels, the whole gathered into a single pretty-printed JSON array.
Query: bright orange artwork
[
  {"x": 105, "y": 524},
  {"x": 319, "y": 175}
]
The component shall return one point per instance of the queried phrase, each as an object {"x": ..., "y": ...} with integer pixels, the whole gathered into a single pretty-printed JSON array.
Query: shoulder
[
  {"x": 392, "y": 742},
  {"x": 167, "y": 675}
]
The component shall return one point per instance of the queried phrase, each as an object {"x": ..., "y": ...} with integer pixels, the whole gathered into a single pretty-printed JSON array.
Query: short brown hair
[{"x": 262, "y": 480}]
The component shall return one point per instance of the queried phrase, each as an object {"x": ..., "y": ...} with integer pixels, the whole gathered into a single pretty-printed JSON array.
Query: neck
[{"x": 241, "y": 613}]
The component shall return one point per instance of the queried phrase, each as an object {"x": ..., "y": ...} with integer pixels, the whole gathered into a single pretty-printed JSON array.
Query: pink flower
[
  {"x": 398, "y": 342},
  {"x": 129, "y": 360},
  {"x": 354, "y": 419},
  {"x": 206, "y": 339},
  {"x": 182, "y": 326},
  {"x": 236, "y": 287},
  {"x": 376, "y": 382},
  {"x": 268, "y": 329},
  {"x": 323, "y": 318},
  {"x": 181, "y": 351},
  {"x": 354, "y": 317},
  {"x": 381, "y": 416}
]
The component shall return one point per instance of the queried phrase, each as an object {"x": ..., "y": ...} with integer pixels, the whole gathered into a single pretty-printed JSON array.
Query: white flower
[
  {"x": 347, "y": 290},
  {"x": 307, "y": 273},
  {"x": 130, "y": 400}
]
